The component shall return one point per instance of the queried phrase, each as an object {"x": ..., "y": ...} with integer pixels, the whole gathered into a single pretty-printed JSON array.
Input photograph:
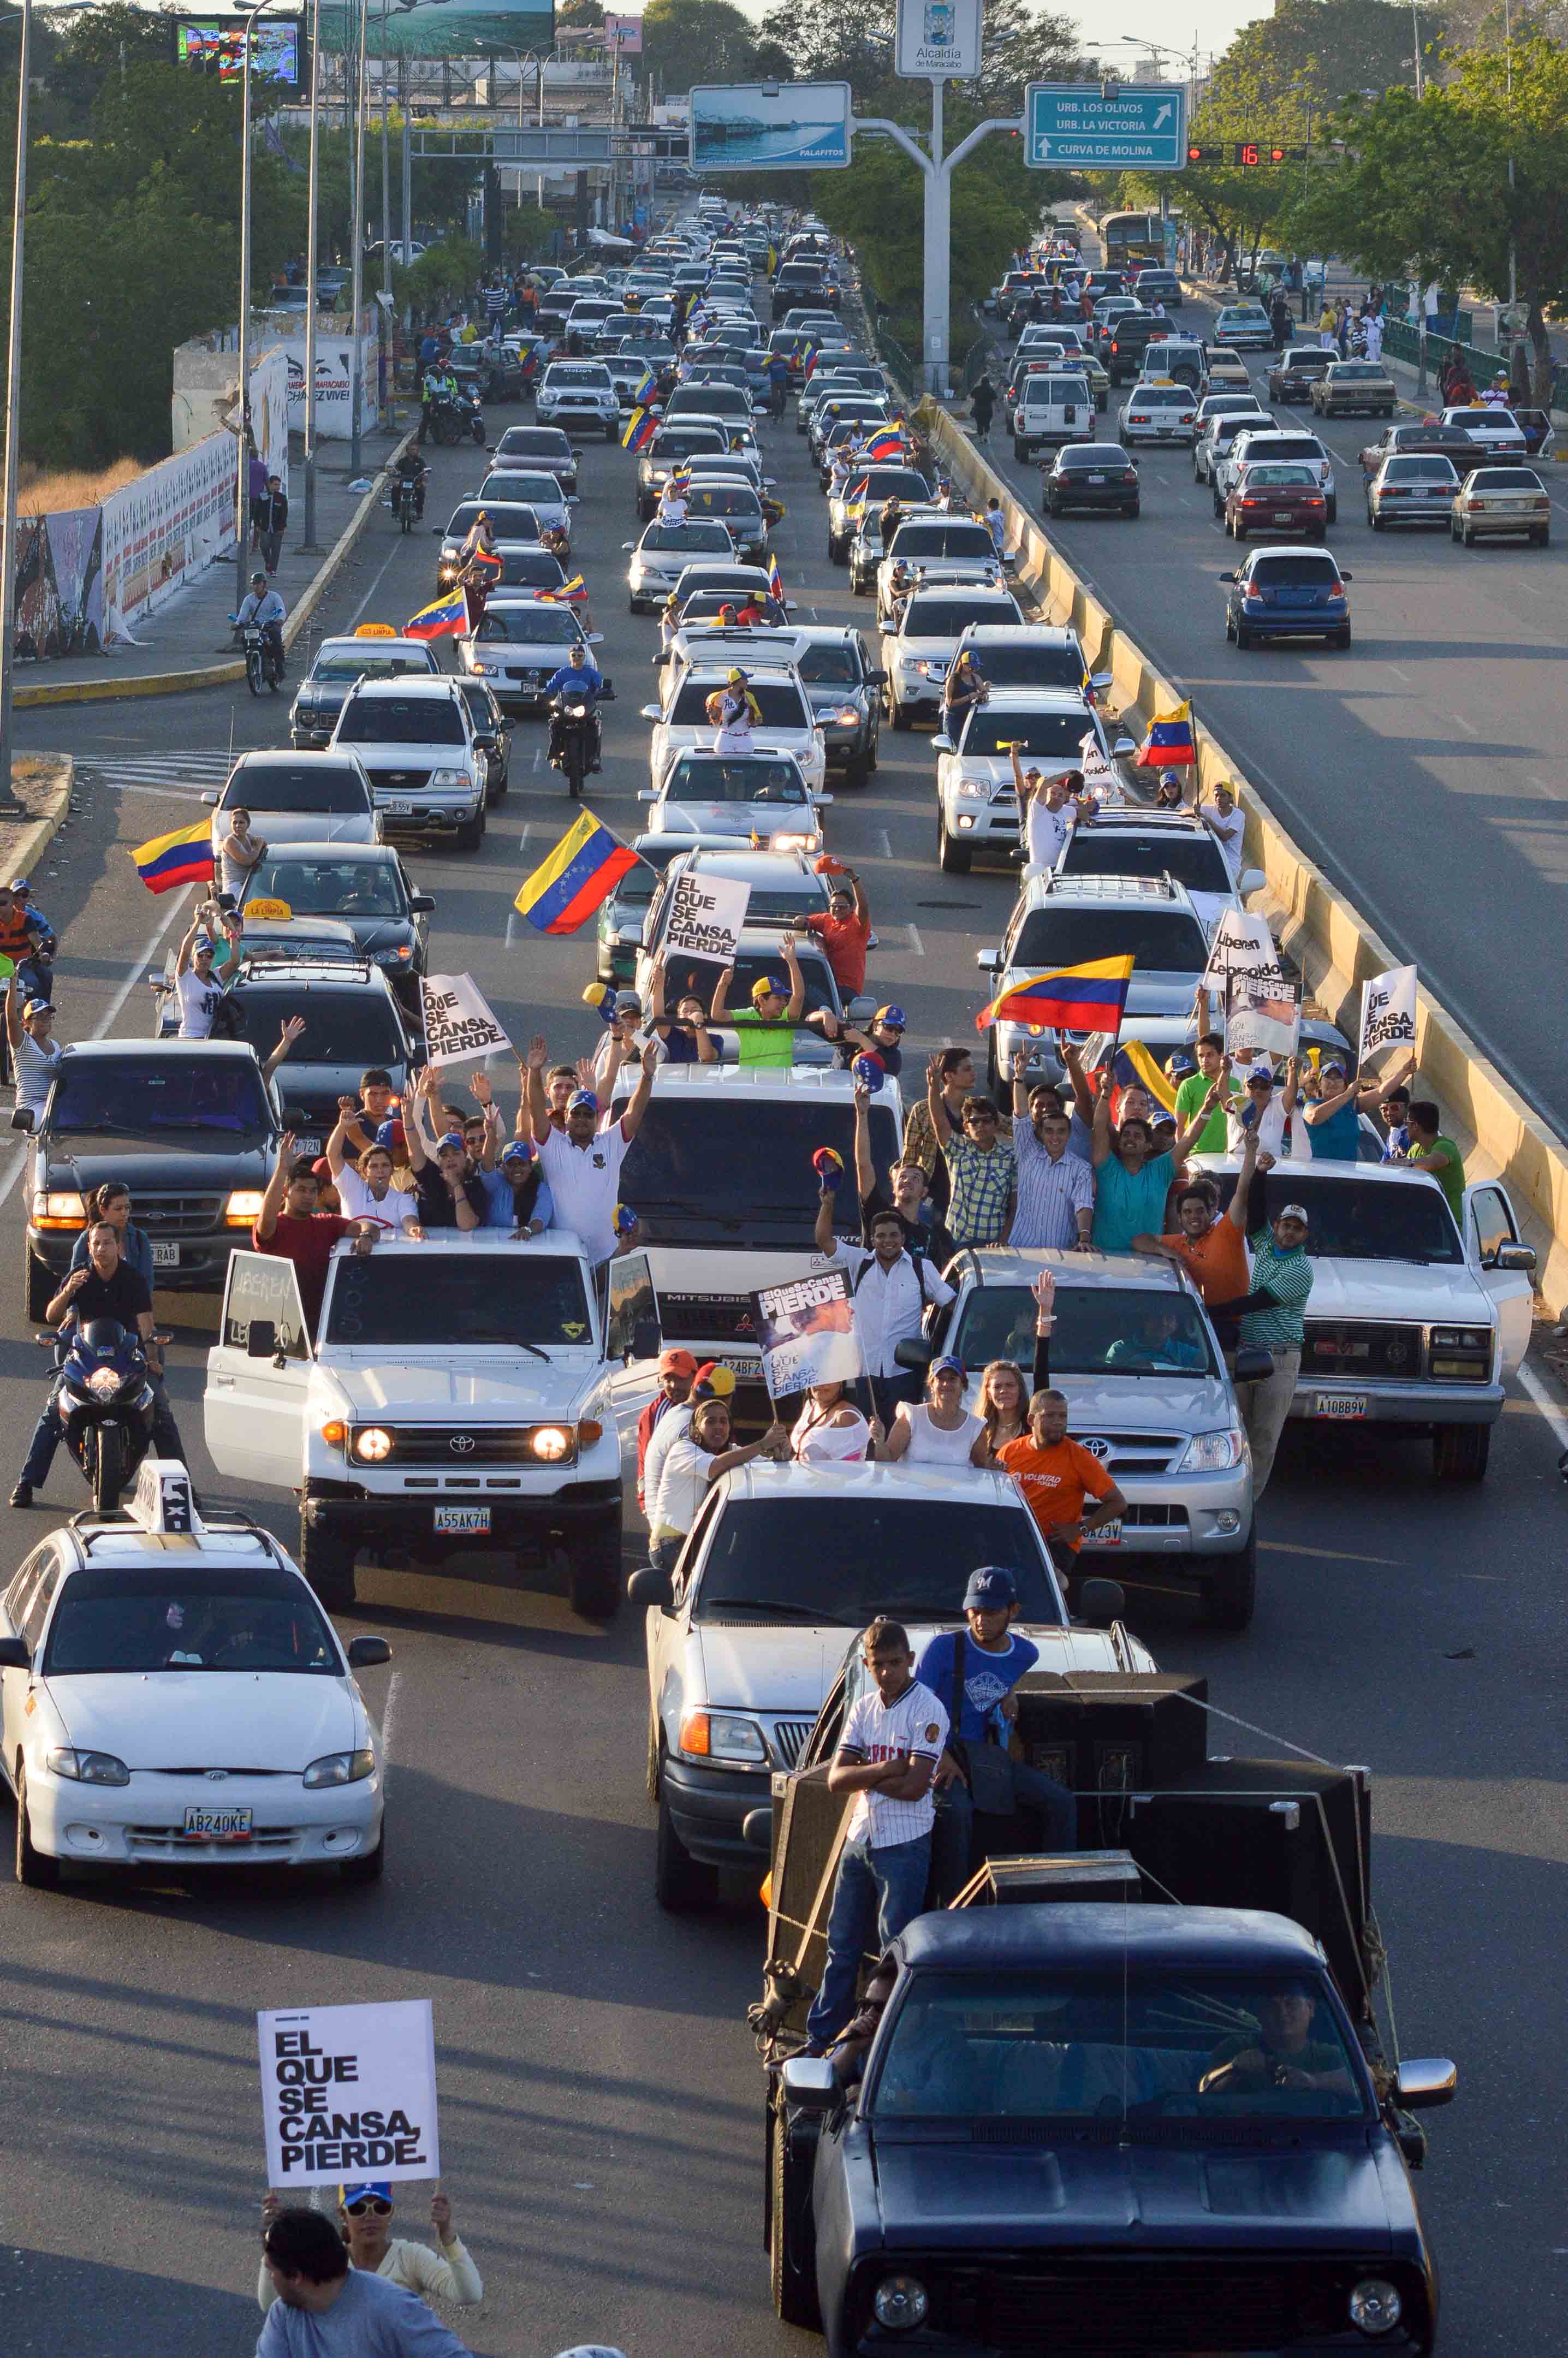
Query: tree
[{"x": 687, "y": 41}]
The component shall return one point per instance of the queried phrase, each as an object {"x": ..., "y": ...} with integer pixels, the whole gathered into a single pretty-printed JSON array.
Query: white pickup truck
[
  {"x": 1411, "y": 1321},
  {"x": 454, "y": 1395}
]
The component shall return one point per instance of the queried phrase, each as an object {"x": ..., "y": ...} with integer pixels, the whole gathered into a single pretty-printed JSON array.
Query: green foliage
[
  {"x": 687, "y": 41},
  {"x": 439, "y": 279}
]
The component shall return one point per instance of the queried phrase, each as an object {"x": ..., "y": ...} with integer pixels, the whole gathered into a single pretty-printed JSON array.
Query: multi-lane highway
[{"x": 600, "y": 2103}]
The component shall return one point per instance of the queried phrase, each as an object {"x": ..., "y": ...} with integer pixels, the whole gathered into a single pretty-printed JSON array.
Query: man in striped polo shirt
[
  {"x": 887, "y": 1756},
  {"x": 1281, "y": 1269}
]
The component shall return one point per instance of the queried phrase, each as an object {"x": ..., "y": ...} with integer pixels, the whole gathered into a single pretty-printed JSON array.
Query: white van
[{"x": 1052, "y": 409}]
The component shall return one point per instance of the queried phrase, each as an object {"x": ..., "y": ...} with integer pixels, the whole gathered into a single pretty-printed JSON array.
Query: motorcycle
[
  {"x": 105, "y": 1405},
  {"x": 576, "y": 736},
  {"x": 262, "y": 660},
  {"x": 407, "y": 500}
]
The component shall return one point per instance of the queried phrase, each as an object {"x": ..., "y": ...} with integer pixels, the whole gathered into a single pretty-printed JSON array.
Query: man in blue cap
[{"x": 975, "y": 1672}]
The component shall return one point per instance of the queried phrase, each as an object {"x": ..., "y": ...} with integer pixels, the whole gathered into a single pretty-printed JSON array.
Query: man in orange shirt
[
  {"x": 845, "y": 933},
  {"x": 1057, "y": 1478},
  {"x": 1214, "y": 1251}
]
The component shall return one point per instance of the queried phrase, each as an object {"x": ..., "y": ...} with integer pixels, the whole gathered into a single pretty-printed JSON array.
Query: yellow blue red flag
[{"x": 568, "y": 885}]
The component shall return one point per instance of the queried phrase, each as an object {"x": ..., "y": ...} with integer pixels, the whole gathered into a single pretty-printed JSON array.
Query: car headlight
[
  {"x": 1375, "y": 2306},
  {"x": 64, "y": 1210},
  {"x": 972, "y": 786},
  {"x": 340, "y": 1768},
  {"x": 721, "y": 1736},
  {"x": 450, "y": 778},
  {"x": 552, "y": 1443},
  {"x": 87, "y": 1768},
  {"x": 901, "y": 2303},
  {"x": 800, "y": 841},
  {"x": 394, "y": 958},
  {"x": 841, "y": 716},
  {"x": 1210, "y": 1452},
  {"x": 243, "y": 1205},
  {"x": 1461, "y": 1338},
  {"x": 373, "y": 1444}
]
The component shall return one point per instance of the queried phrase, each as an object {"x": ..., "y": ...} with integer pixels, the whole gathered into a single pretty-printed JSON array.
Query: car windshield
[
  {"x": 1058, "y": 736},
  {"x": 547, "y": 442},
  {"x": 1029, "y": 664},
  {"x": 1099, "y": 1330},
  {"x": 829, "y": 667},
  {"x": 943, "y": 540},
  {"x": 532, "y": 568},
  {"x": 685, "y": 536},
  {"x": 845, "y": 1560},
  {"x": 1295, "y": 572},
  {"x": 935, "y": 617},
  {"x": 701, "y": 1172},
  {"x": 280, "y": 784},
  {"x": 1194, "y": 861},
  {"x": 517, "y": 518},
  {"x": 696, "y": 780},
  {"x": 687, "y": 444},
  {"x": 531, "y": 626},
  {"x": 594, "y": 377},
  {"x": 201, "y": 1091},
  {"x": 498, "y": 1300},
  {"x": 1162, "y": 941},
  {"x": 368, "y": 666},
  {"x": 188, "y": 1616},
  {"x": 1294, "y": 445},
  {"x": 779, "y": 701},
  {"x": 331, "y": 888},
  {"x": 1092, "y": 456},
  {"x": 1162, "y": 397},
  {"x": 1366, "y": 1220},
  {"x": 1505, "y": 478},
  {"x": 344, "y": 1025},
  {"x": 1038, "y": 2044},
  {"x": 401, "y": 720}
]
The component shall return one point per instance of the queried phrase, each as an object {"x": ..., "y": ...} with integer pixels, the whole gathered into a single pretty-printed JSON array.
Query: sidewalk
[{"x": 188, "y": 642}]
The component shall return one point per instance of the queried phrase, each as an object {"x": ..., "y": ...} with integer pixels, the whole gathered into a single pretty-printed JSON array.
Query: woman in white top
[
  {"x": 939, "y": 1430},
  {"x": 240, "y": 853},
  {"x": 368, "y": 1193},
  {"x": 691, "y": 1466},
  {"x": 830, "y": 1429}
]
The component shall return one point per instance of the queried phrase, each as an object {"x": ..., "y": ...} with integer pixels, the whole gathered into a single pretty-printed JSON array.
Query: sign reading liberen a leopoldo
[
  {"x": 349, "y": 2092},
  {"x": 459, "y": 1026},
  {"x": 938, "y": 40}
]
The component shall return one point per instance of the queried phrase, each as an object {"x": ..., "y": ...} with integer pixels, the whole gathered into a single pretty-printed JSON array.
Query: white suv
[
  {"x": 977, "y": 801},
  {"x": 787, "y": 724},
  {"x": 579, "y": 393},
  {"x": 921, "y": 644},
  {"x": 415, "y": 739},
  {"x": 1054, "y": 409}
]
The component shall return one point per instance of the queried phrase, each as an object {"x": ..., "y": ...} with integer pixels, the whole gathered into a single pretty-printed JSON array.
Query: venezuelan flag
[
  {"x": 566, "y": 888},
  {"x": 641, "y": 428},
  {"x": 449, "y": 617},
  {"x": 775, "y": 580},
  {"x": 1088, "y": 998},
  {"x": 1135, "y": 1067},
  {"x": 883, "y": 445},
  {"x": 171, "y": 861},
  {"x": 1168, "y": 744},
  {"x": 570, "y": 593}
]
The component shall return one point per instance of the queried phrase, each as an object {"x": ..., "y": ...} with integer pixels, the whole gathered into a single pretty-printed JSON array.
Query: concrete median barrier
[{"x": 1334, "y": 947}]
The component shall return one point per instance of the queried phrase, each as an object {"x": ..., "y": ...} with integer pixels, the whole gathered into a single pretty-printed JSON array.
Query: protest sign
[
  {"x": 1260, "y": 1020},
  {"x": 807, "y": 1329},
  {"x": 459, "y": 1027},
  {"x": 1243, "y": 948},
  {"x": 349, "y": 2092},
  {"x": 707, "y": 913},
  {"x": 1100, "y": 776},
  {"x": 1388, "y": 1016}
]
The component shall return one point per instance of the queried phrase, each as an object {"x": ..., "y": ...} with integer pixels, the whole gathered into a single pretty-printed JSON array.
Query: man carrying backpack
[{"x": 892, "y": 1288}]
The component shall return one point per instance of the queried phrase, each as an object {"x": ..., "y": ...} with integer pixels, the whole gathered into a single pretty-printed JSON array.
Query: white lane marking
[
  {"x": 523, "y": 832},
  {"x": 1402, "y": 676},
  {"x": 1549, "y": 1411},
  {"x": 915, "y": 944},
  {"x": 538, "y": 757},
  {"x": 1469, "y": 728},
  {"x": 389, "y": 1711},
  {"x": 173, "y": 793},
  {"x": 375, "y": 586},
  {"x": 512, "y": 929},
  {"x": 133, "y": 976},
  {"x": 885, "y": 840}
]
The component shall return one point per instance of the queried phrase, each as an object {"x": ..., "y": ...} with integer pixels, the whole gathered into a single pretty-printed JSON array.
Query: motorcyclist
[
  {"x": 107, "y": 1288},
  {"x": 439, "y": 385},
  {"x": 411, "y": 470},
  {"x": 578, "y": 676},
  {"x": 267, "y": 610}
]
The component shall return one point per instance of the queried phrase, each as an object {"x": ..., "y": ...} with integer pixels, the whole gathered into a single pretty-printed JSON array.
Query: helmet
[{"x": 257, "y": 575}]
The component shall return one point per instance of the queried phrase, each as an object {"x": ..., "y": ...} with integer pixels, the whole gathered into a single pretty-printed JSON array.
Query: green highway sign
[{"x": 1082, "y": 127}]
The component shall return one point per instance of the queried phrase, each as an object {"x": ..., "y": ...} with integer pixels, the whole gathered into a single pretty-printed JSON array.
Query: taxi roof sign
[
  {"x": 375, "y": 631},
  {"x": 162, "y": 1501},
  {"x": 271, "y": 911}
]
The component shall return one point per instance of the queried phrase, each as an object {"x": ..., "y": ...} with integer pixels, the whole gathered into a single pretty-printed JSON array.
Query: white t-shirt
[
  {"x": 1228, "y": 833},
  {"x": 814, "y": 1442},
  {"x": 672, "y": 1426},
  {"x": 915, "y": 1724},
  {"x": 1045, "y": 831},
  {"x": 929, "y": 1445},
  {"x": 586, "y": 1184},
  {"x": 197, "y": 1003},
  {"x": 889, "y": 1303},
  {"x": 390, "y": 1210},
  {"x": 683, "y": 1486},
  {"x": 1270, "y": 1128}
]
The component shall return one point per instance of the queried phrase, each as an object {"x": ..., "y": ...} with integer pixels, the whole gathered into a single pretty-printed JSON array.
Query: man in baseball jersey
[{"x": 887, "y": 1755}]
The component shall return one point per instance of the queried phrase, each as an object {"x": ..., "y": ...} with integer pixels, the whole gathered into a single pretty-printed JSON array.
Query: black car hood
[
  {"x": 1322, "y": 2196},
  {"x": 160, "y": 1160}
]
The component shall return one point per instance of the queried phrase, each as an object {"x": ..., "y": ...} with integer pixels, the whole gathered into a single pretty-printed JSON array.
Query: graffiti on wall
[{"x": 60, "y": 584}]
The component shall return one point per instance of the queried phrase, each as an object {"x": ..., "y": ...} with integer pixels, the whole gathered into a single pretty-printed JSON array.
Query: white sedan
[
  {"x": 757, "y": 797},
  {"x": 1159, "y": 413},
  {"x": 121, "y": 1655}
]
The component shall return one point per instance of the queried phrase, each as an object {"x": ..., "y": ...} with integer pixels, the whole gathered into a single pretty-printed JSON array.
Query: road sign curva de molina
[{"x": 1076, "y": 127}]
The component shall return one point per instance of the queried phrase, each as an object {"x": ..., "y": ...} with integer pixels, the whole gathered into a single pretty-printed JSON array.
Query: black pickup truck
[{"x": 190, "y": 1125}]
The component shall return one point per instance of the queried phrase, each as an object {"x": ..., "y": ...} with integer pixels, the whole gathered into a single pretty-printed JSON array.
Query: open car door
[
  {"x": 253, "y": 1408},
  {"x": 1504, "y": 1264}
]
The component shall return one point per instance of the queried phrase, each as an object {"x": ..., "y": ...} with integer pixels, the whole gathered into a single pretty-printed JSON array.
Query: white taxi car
[
  {"x": 1159, "y": 410},
  {"x": 172, "y": 1694}
]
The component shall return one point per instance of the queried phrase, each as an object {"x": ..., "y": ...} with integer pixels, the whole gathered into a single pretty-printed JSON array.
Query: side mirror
[
  {"x": 261, "y": 1339},
  {"x": 1418, "y": 2084},
  {"x": 1124, "y": 745},
  {"x": 575, "y": 451},
  {"x": 861, "y": 1007},
  {"x": 986, "y": 960},
  {"x": 211, "y": 801},
  {"x": 1344, "y": 575},
  {"x": 811, "y": 2084},
  {"x": 942, "y": 744},
  {"x": 888, "y": 629},
  {"x": 1252, "y": 880},
  {"x": 912, "y": 1353},
  {"x": 646, "y": 794},
  {"x": 630, "y": 546},
  {"x": 650, "y": 713},
  {"x": 650, "y": 1586},
  {"x": 22, "y": 1119},
  {"x": 1253, "y": 1364},
  {"x": 1101, "y": 1602},
  {"x": 14, "y": 1655},
  {"x": 596, "y": 638},
  {"x": 757, "y": 1829},
  {"x": 365, "y": 1653},
  {"x": 1100, "y": 680},
  {"x": 421, "y": 904},
  {"x": 1515, "y": 1257},
  {"x": 1228, "y": 577}
]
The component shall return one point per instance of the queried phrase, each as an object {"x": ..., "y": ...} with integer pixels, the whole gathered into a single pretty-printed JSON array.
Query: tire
[
  {"x": 859, "y": 589},
  {"x": 1243, "y": 635},
  {"x": 33, "y": 1869},
  {"x": 372, "y": 1866},
  {"x": 1466, "y": 536},
  {"x": 837, "y": 551},
  {"x": 498, "y": 793},
  {"x": 108, "y": 1468},
  {"x": 1375, "y": 520},
  {"x": 1331, "y": 513},
  {"x": 857, "y": 772},
  {"x": 792, "y": 2239},
  {"x": 1231, "y": 1592},
  {"x": 955, "y": 858},
  {"x": 1237, "y": 529},
  {"x": 1342, "y": 638},
  {"x": 899, "y": 715},
  {"x": 329, "y": 1565},
  {"x": 1131, "y": 513},
  {"x": 1218, "y": 504},
  {"x": 471, "y": 835},
  {"x": 1459, "y": 1451},
  {"x": 595, "y": 1581},
  {"x": 38, "y": 1288},
  {"x": 872, "y": 755},
  {"x": 611, "y": 433},
  {"x": 1229, "y": 626},
  {"x": 1020, "y": 450},
  {"x": 252, "y": 674},
  {"x": 652, "y": 1771},
  {"x": 682, "y": 1885}
]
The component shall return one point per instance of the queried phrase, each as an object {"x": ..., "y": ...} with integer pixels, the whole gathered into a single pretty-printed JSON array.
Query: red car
[{"x": 1276, "y": 496}]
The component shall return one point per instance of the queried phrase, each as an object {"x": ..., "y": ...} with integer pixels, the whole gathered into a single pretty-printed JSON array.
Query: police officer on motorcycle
[
  {"x": 578, "y": 676},
  {"x": 439, "y": 385},
  {"x": 265, "y": 608}
]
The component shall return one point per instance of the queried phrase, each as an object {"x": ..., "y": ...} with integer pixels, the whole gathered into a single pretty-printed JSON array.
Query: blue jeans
[
  {"x": 1035, "y": 1795},
  {"x": 877, "y": 1891}
]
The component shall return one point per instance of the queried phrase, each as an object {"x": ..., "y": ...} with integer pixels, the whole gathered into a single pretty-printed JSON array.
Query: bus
[{"x": 1132, "y": 237}]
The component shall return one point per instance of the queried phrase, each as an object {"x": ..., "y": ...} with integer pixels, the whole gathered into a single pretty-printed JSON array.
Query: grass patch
[{"x": 50, "y": 492}]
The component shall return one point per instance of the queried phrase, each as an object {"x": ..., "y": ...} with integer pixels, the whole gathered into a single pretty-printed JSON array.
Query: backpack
[{"x": 916, "y": 1255}]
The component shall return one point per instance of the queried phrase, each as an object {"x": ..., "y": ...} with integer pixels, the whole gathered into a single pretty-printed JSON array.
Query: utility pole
[
  {"x": 9, "y": 805},
  {"x": 308, "y": 546},
  {"x": 938, "y": 172},
  {"x": 243, "y": 430},
  {"x": 356, "y": 377}
]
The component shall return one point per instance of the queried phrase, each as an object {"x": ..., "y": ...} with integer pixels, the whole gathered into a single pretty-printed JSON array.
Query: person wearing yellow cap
[
  {"x": 732, "y": 709},
  {"x": 764, "y": 1032}
]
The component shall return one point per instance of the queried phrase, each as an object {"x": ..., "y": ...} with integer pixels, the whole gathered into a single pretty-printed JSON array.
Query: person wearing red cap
[
  {"x": 709, "y": 1381},
  {"x": 677, "y": 1373}
]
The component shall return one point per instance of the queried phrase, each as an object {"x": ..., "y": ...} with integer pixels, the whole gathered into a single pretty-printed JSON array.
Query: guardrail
[{"x": 1333, "y": 944}]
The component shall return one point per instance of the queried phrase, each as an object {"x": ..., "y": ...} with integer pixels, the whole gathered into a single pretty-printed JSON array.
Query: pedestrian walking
[
  {"x": 272, "y": 514},
  {"x": 982, "y": 406}
]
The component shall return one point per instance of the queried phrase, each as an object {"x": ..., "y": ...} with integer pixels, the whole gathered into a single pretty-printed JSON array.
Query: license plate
[
  {"x": 166, "y": 1256},
  {"x": 217, "y": 1825},
  {"x": 1340, "y": 1404},
  {"x": 308, "y": 1146},
  {"x": 1422, "y": 495},
  {"x": 471, "y": 1522},
  {"x": 1108, "y": 1535},
  {"x": 398, "y": 809},
  {"x": 1096, "y": 479},
  {"x": 1281, "y": 515}
]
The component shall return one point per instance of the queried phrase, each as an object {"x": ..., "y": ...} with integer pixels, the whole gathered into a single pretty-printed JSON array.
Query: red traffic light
[{"x": 1199, "y": 154}]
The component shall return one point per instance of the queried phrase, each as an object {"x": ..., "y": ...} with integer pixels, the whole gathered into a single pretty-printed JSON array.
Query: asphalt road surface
[{"x": 600, "y": 2101}]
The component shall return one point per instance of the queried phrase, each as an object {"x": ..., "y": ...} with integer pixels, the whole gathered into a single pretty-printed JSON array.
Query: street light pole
[
  {"x": 8, "y": 802},
  {"x": 385, "y": 180},
  {"x": 356, "y": 394},
  {"x": 1415, "y": 31},
  {"x": 308, "y": 546},
  {"x": 243, "y": 436}
]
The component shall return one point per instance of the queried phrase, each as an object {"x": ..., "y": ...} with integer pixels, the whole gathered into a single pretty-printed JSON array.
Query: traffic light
[
  {"x": 1260, "y": 151},
  {"x": 1197, "y": 154}
]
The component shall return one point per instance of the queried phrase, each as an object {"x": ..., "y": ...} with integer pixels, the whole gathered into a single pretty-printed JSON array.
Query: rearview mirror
[
  {"x": 1101, "y": 1602},
  {"x": 421, "y": 904},
  {"x": 650, "y": 1586},
  {"x": 629, "y": 546},
  {"x": 942, "y": 744},
  {"x": 650, "y": 712},
  {"x": 912, "y": 1353},
  {"x": 1344, "y": 575},
  {"x": 888, "y": 629},
  {"x": 986, "y": 960},
  {"x": 1515, "y": 1257},
  {"x": 1252, "y": 880},
  {"x": 1124, "y": 745},
  {"x": 596, "y": 638},
  {"x": 646, "y": 794},
  {"x": 365, "y": 1653},
  {"x": 811, "y": 2083}
]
